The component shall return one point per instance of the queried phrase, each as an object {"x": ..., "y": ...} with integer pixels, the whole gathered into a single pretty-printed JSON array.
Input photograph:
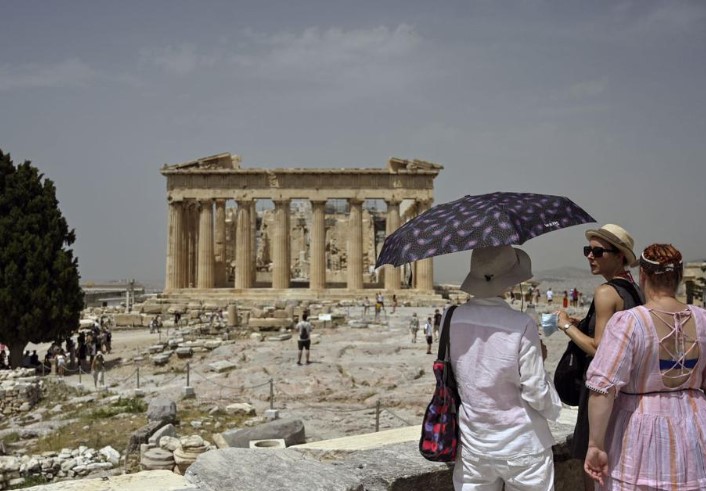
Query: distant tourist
[
  {"x": 366, "y": 307},
  {"x": 304, "y": 328},
  {"x": 437, "y": 323},
  {"x": 394, "y": 303},
  {"x": 414, "y": 326},
  {"x": 574, "y": 297},
  {"x": 98, "y": 369},
  {"x": 610, "y": 254},
  {"x": 429, "y": 334},
  {"x": 550, "y": 295},
  {"x": 565, "y": 300}
]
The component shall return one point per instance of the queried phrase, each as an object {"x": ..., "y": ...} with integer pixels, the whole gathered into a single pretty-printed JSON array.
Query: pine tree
[{"x": 40, "y": 296}]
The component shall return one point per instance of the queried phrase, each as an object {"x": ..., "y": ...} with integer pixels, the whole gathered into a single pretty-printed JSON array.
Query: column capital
[
  {"x": 355, "y": 201},
  {"x": 393, "y": 202},
  {"x": 424, "y": 204}
]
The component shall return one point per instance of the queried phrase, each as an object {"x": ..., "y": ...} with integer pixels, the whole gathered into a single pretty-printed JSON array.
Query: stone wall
[{"x": 20, "y": 391}]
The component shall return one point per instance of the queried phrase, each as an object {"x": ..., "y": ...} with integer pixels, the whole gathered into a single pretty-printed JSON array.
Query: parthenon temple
[{"x": 246, "y": 230}]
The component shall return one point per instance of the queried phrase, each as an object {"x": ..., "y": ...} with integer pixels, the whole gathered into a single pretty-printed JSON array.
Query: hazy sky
[{"x": 601, "y": 101}]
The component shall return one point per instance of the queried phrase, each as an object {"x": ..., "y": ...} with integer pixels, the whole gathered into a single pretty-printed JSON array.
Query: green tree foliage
[{"x": 40, "y": 296}]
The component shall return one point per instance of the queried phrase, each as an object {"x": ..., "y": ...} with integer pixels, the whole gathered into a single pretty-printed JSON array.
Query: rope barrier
[
  {"x": 241, "y": 388},
  {"x": 396, "y": 416}
]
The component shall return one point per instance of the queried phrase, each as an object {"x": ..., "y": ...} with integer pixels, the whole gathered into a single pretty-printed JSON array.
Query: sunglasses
[{"x": 597, "y": 251}]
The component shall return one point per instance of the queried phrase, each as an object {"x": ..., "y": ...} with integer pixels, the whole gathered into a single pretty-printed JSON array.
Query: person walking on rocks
[
  {"x": 98, "y": 369},
  {"x": 414, "y": 326},
  {"x": 437, "y": 323},
  {"x": 429, "y": 334},
  {"x": 304, "y": 328}
]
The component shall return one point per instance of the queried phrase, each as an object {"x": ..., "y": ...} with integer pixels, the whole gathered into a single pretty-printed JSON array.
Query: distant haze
[{"x": 600, "y": 101}]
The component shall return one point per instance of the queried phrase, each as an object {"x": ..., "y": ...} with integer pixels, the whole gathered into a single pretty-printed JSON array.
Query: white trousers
[{"x": 528, "y": 473}]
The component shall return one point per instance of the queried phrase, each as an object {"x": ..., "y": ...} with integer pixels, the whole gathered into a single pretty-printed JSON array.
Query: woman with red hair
[{"x": 647, "y": 408}]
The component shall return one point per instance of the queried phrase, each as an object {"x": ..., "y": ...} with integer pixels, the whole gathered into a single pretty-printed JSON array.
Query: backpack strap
[
  {"x": 445, "y": 337},
  {"x": 628, "y": 286}
]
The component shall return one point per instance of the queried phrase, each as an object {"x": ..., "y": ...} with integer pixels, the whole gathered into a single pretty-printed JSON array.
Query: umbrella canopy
[{"x": 484, "y": 220}]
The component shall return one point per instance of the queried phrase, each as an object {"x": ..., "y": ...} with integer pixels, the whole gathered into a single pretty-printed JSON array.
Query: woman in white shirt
[{"x": 506, "y": 395}]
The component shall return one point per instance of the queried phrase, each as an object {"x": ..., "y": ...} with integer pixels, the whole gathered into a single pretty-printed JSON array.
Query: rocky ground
[{"x": 354, "y": 372}]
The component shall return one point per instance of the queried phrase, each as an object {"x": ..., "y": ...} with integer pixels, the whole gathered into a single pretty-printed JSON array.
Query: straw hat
[
  {"x": 495, "y": 269},
  {"x": 618, "y": 237}
]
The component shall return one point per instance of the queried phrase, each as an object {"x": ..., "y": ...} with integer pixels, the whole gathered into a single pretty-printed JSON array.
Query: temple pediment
[
  {"x": 219, "y": 161},
  {"x": 396, "y": 164}
]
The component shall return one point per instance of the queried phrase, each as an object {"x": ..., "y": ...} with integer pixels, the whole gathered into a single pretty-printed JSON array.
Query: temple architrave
[{"x": 317, "y": 233}]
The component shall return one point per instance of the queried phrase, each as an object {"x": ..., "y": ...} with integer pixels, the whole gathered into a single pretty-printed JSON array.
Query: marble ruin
[{"x": 317, "y": 230}]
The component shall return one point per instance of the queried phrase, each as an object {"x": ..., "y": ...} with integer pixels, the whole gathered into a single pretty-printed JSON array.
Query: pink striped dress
[{"x": 656, "y": 438}]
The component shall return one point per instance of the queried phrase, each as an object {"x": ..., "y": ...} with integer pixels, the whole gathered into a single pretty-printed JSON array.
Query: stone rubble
[{"x": 67, "y": 464}]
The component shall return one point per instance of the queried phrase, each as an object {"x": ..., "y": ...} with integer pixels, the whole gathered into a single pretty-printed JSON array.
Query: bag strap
[
  {"x": 629, "y": 287},
  {"x": 445, "y": 338}
]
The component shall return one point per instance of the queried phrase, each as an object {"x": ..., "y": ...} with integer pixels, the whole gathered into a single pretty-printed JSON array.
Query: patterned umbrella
[{"x": 479, "y": 221}]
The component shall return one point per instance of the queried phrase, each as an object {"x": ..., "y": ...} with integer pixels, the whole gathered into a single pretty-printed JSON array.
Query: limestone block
[
  {"x": 270, "y": 323},
  {"x": 242, "y": 408},
  {"x": 212, "y": 344},
  {"x": 280, "y": 304},
  {"x": 170, "y": 443},
  {"x": 280, "y": 337},
  {"x": 129, "y": 320},
  {"x": 256, "y": 336},
  {"x": 174, "y": 342},
  {"x": 176, "y": 308},
  {"x": 291, "y": 430},
  {"x": 281, "y": 314},
  {"x": 157, "y": 458},
  {"x": 165, "y": 431},
  {"x": 193, "y": 442},
  {"x": 221, "y": 366},
  {"x": 161, "y": 359},
  {"x": 163, "y": 410},
  {"x": 184, "y": 352},
  {"x": 156, "y": 348},
  {"x": 152, "y": 308}
]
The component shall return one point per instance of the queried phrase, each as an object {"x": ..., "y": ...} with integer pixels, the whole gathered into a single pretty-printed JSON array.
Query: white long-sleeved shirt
[{"x": 506, "y": 395}]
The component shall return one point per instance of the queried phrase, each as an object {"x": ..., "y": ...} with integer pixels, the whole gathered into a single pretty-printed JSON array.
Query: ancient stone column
[
  {"x": 219, "y": 247},
  {"x": 317, "y": 271},
  {"x": 192, "y": 212},
  {"x": 206, "y": 262},
  {"x": 243, "y": 257},
  {"x": 392, "y": 274},
  {"x": 355, "y": 245},
  {"x": 174, "y": 228},
  {"x": 253, "y": 243},
  {"x": 280, "y": 246},
  {"x": 425, "y": 267}
]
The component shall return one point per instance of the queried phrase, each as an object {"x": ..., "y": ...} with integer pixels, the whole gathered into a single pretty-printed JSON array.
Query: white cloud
[
  {"x": 332, "y": 53},
  {"x": 179, "y": 60},
  {"x": 68, "y": 73}
]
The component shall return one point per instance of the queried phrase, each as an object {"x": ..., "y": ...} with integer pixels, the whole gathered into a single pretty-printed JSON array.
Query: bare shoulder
[{"x": 605, "y": 295}]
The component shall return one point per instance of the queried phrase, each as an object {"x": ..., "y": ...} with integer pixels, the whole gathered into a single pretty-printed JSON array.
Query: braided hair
[{"x": 662, "y": 264}]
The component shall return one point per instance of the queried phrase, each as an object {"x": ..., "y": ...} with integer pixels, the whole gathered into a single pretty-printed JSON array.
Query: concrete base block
[
  {"x": 268, "y": 444},
  {"x": 139, "y": 393},
  {"x": 189, "y": 392},
  {"x": 271, "y": 414}
]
